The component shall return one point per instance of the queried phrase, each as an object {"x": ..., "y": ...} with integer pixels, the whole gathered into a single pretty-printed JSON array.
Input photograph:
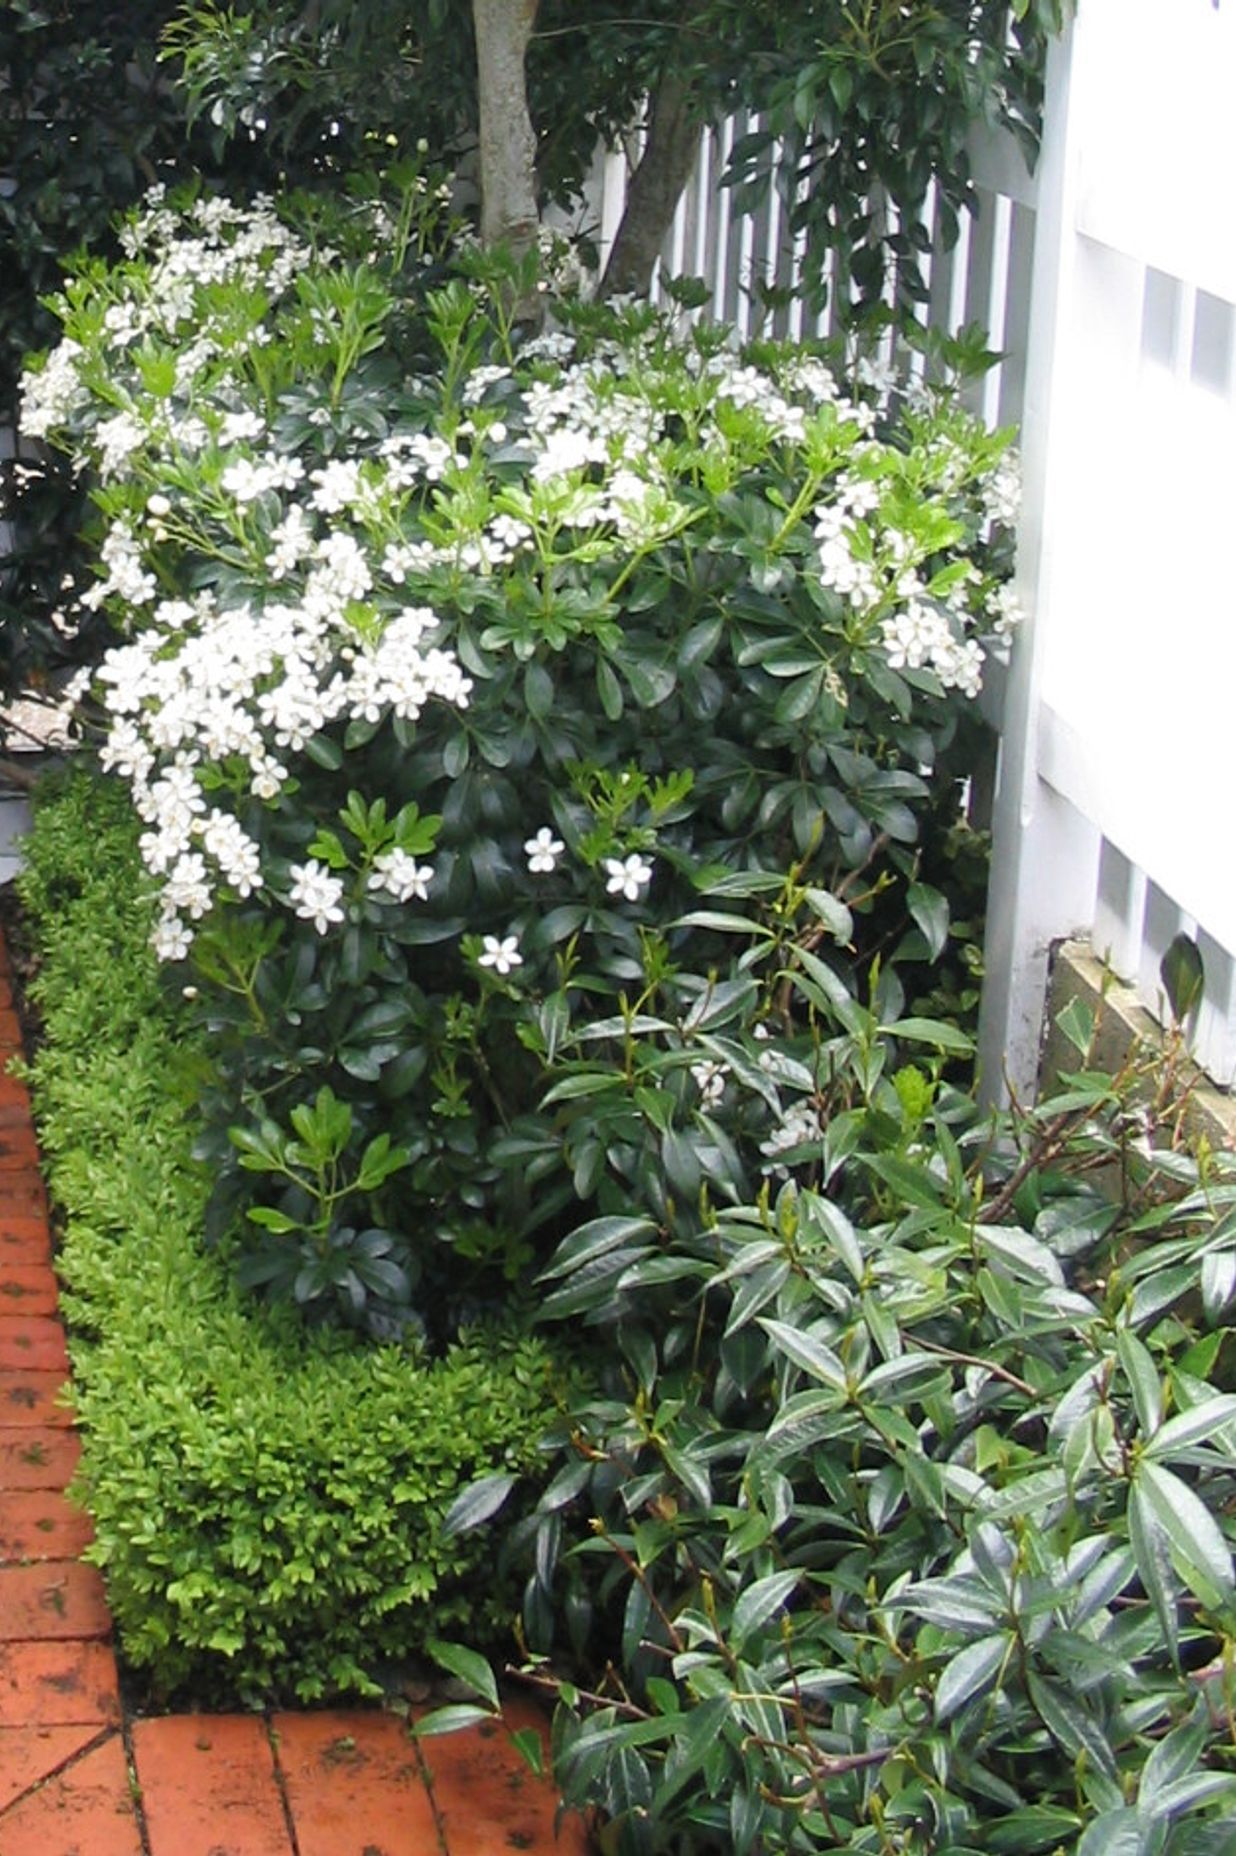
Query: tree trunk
[
  {"x": 664, "y": 169},
  {"x": 509, "y": 213}
]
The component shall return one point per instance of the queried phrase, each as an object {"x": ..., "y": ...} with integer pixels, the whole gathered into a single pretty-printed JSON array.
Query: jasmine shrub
[{"x": 503, "y": 715}]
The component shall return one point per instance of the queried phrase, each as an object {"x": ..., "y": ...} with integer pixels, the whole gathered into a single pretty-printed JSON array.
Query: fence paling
[
  {"x": 1108, "y": 282},
  {"x": 1133, "y": 674}
]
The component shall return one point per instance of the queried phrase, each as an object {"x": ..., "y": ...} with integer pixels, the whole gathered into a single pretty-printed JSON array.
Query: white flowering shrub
[{"x": 505, "y": 716}]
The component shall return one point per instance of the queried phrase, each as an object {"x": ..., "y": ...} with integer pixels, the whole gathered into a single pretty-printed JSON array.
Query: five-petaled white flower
[
  {"x": 502, "y": 955},
  {"x": 316, "y": 894},
  {"x": 543, "y": 850},
  {"x": 171, "y": 938},
  {"x": 709, "y": 1079},
  {"x": 627, "y": 876},
  {"x": 401, "y": 876}
]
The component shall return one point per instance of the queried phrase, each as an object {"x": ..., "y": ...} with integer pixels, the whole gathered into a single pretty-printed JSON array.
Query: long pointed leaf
[
  {"x": 970, "y": 1673},
  {"x": 593, "y": 1240},
  {"x": 468, "y": 1666},
  {"x": 757, "y": 1604},
  {"x": 808, "y": 1352},
  {"x": 1152, "y": 1554},
  {"x": 1143, "y": 1377},
  {"x": 476, "y": 1503},
  {"x": 1199, "y": 1551},
  {"x": 1193, "y": 1427}
]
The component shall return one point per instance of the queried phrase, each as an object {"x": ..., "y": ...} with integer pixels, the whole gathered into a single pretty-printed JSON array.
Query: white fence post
[{"x": 1045, "y": 855}]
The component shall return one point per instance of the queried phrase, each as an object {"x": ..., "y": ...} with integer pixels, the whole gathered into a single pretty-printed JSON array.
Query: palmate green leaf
[
  {"x": 1199, "y": 1552},
  {"x": 971, "y": 1673}
]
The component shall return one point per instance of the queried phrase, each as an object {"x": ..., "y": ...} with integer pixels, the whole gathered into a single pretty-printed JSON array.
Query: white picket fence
[
  {"x": 1114, "y": 810},
  {"x": 1108, "y": 280}
]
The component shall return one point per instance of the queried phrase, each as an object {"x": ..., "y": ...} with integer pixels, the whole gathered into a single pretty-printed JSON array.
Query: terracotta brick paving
[{"x": 76, "y": 1777}]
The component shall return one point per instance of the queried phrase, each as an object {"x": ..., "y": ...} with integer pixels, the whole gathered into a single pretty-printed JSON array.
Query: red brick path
[{"x": 78, "y": 1778}]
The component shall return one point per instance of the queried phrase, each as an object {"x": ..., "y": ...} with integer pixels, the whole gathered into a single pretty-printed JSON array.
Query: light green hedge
[{"x": 266, "y": 1498}]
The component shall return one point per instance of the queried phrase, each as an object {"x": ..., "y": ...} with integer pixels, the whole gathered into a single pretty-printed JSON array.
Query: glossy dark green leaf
[
  {"x": 466, "y": 1665},
  {"x": 1199, "y": 1552},
  {"x": 477, "y": 1503},
  {"x": 971, "y": 1673},
  {"x": 930, "y": 911},
  {"x": 1183, "y": 975}
]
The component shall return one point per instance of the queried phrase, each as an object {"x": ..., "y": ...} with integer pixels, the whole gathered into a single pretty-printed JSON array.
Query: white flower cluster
[
  {"x": 1002, "y": 492},
  {"x": 799, "y": 1125},
  {"x": 872, "y": 564},
  {"x": 1006, "y": 611},
  {"x": 51, "y": 396},
  {"x": 356, "y": 531},
  {"x": 921, "y": 635},
  {"x": 127, "y": 577},
  {"x": 235, "y": 692},
  {"x": 213, "y": 242}
]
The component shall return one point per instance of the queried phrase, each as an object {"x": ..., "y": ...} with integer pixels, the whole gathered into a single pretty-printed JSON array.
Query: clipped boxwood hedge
[{"x": 266, "y": 1497}]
